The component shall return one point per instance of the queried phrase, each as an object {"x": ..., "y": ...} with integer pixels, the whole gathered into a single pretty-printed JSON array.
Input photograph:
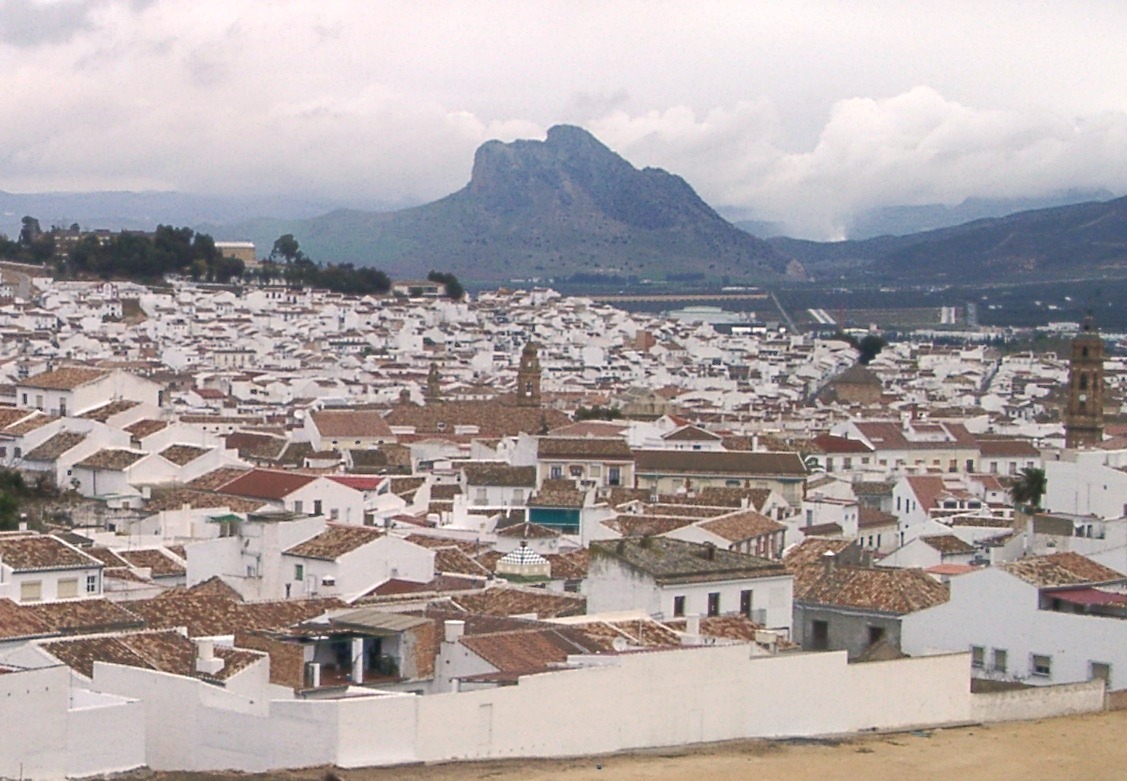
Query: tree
[
  {"x": 454, "y": 289},
  {"x": 287, "y": 248},
  {"x": 9, "y": 512},
  {"x": 1030, "y": 488},
  {"x": 30, "y": 231},
  {"x": 868, "y": 348}
]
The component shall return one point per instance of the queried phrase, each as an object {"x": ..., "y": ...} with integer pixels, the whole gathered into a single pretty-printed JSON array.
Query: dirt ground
[{"x": 1093, "y": 748}]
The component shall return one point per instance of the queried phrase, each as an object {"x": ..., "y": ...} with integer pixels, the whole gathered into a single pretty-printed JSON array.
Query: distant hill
[
  {"x": 1080, "y": 240},
  {"x": 115, "y": 211},
  {"x": 548, "y": 208}
]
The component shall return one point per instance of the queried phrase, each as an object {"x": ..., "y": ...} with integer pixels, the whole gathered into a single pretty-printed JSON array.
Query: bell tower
[
  {"x": 434, "y": 387},
  {"x": 1084, "y": 410},
  {"x": 528, "y": 377}
]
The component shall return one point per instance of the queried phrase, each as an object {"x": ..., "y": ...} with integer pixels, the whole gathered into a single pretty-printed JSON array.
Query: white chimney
[
  {"x": 206, "y": 660},
  {"x": 454, "y": 630}
]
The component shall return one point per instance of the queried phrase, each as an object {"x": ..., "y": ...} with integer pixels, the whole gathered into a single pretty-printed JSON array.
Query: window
[
  {"x": 316, "y": 506},
  {"x": 298, "y": 506},
  {"x": 1042, "y": 665},
  {"x": 68, "y": 589},
  {"x": 3, "y": 452},
  {"x": 481, "y": 496},
  {"x": 555, "y": 472},
  {"x": 876, "y": 634},
  {"x": 575, "y": 470},
  {"x": 747, "y": 601},
  {"x": 31, "y": 591},
  {"x": 732, "y": 483},
  {"x": 334, "y": 514},
  {"x": 819, "y": 635},
  {"x": 299, "y": 572},
  {"x": 714, "y": 603},
  {"x": 678, "y": 606},
  {"x": 91, "y": 584},
  {"x": 977, "y": 657},
  {"x": 998, "y": 663},
  {"x": 596, "y": 470},
  {"x": 614, "y": 476},
  {"x": 1099, "y": 671},
  {"x": 518, "y": 496}
]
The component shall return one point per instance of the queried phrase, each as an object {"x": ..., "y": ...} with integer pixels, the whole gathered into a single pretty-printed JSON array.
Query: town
[{"x": 267, "y": 526}]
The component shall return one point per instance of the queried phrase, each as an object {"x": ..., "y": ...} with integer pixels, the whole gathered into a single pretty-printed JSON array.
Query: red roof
[
  {"x": 266, "y": 484},
  {"x": 360, "y": 483},
  {"x": 834, "y": 444},
  {"x": 1090, "y": 596}
]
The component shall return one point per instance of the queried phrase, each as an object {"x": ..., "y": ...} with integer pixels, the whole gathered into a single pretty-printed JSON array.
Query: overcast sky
[{"x": 800, "y": 112}]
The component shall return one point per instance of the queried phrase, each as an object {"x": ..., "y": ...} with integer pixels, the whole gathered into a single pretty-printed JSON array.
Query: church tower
[
  {"x": 528, "y": 377},
  {"x": 1084, "y": 410},
  {"x": 434, "y": 390}
]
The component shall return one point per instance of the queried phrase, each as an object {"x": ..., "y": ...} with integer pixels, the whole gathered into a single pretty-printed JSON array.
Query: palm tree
[{"x": 1029, "y": 488}]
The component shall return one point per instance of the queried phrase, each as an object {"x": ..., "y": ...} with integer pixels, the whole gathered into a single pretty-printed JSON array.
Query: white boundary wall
[{"x": 631, "y": 701}]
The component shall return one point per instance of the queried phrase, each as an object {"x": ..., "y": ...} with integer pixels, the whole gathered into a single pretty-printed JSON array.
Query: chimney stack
[
  {"x": 206, "y": 660},
  {"x": 829, "y": 561},
  {"x": 453, "y": 630}
]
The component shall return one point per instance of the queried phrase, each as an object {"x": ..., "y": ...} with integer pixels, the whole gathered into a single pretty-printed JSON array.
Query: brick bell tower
[
  {"x": 1084, "y": 410},
  {"x": 528, "y": 377}
]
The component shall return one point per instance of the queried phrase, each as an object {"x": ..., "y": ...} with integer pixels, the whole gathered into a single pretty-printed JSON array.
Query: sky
[{"x": 801, "y": 112}]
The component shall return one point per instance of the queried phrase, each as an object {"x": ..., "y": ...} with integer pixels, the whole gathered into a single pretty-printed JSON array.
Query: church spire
[
  {"x": 1084, "y": 408},
  {"x": 528, "y": 377}
]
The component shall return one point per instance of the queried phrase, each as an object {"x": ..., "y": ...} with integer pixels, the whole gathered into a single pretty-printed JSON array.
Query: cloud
[
  {"x": 805, "y": 113},
  {"x": 911, "y": 149},
  {"x": 25, "y": 23}
]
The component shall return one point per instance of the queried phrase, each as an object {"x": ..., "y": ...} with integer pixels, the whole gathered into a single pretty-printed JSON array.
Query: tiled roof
[
  {"x": 646, "y": 525},
  {"x": 455, "y": 561},
  {"x": 111, "y": 460},
  {"x": 216, "y": 478},
  {"x": 1008, "y": 448},
  {"x": 66, "y": 378},
  {"x": 811, "y": 551},
  {"x": 515, "y": 601},
  {"x": 527, "y": 531},
  {"x": 729, "y": 462},
  {"x": 32, "y": 553},
  {"x": 488, "y": 473},
  {"x": 828, "y": 443},
  {"x": 168, "y": 652},
  {"x": 879, "y": 589},
  {"x": 107, "y": 411},
  {"x": 84, "y": 616},
  {"x": 557, "y": 493},
  {"x": 741, "y": 526},
  {"x": 870, "y": 517},
  {"x": 214, "y": 614},
  {"x": 29, "y": 423},
  {"x": 55, "y": 446},
  {"x": 335, "y": 541},
  {"x": 530, "y": 651},
  {"x": 145, "y": 428},
  {"x": 691, "y": 434},
  {"x": 106, "y": 555},
  {"x": 670, "y": 561},
  {"x": 18, "y": 622},
  {"x": 569, "y": 566},
  {"x": 583, "y": 448},
  {"x": 183, "y": 454},
  {"x": 947, "y": 544},
  {"x": 1062, "y": 569},
  {"x": 493, "y": 419},
  {"x": 160, "y": 564},
  {"x": 351, "y": 423},
  {"x": 266, "y": 484}
]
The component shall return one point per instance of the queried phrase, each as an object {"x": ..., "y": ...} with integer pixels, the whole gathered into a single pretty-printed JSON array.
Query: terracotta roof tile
[
  {"x": 335, "y": 541},
  {"x": 1062, "y": 569},
  {"x": 160, "y": 564},
  {"x": 111, "y": 460},
  {"x": 42, "y": 552},
  {"x": 880, "y": 589},
  {"x": 66, "y": 378}
]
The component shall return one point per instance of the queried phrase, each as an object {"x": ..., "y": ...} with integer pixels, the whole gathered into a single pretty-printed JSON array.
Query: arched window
[
  {"x": 1083, "y": 382},
  {"x": 1083, "y": 352}
]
